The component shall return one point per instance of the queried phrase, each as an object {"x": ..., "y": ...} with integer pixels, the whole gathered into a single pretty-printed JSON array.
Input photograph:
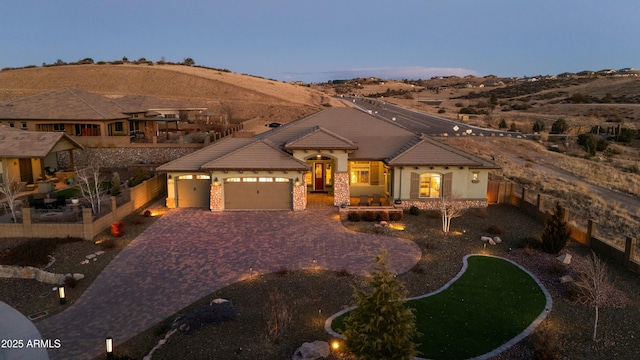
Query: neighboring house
[
  {"x": 94, "y": 119},
  {"x": 24, "y": 155},
  {"x": 344, "y": 152}
]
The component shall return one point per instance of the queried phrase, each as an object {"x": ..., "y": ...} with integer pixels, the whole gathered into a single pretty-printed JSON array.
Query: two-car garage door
[{"x": 258, "y": 194}]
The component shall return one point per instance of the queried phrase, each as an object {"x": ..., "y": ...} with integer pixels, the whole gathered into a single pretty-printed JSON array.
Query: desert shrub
[
  {"x": 559, "y": 126},
  {"x": 278, "y": 315},
  {"x": 34, "y": 252},
  {"x": 117, "y": 229},
  {"x": 502, "y": 124},
  {"x": 115, "y": 184},
  {"x": 538, "y": 126},
  {"x": 529, "y": 242},
  {"x": 369, "y": 216},
  {"x": 147, "y": 213},
  {"x": 556, "y": 231},
  {"x": 413, "y": 210},
  {"x": 354, "y": 216},
  {"x": 441, "y": 111},
  {"x": 417, "y": 269},
  {"x": 382, "y": 216},
  {"x": 545, "y": 343},
  {"x": 343, "y": 273},
  {"x": 395, "y": 216},
  {"x": 283, "y": 271},
  {"x": 495, "y": 230},
  {"x": 138, "y": 177},
  {"x": 70, "y": 282}
]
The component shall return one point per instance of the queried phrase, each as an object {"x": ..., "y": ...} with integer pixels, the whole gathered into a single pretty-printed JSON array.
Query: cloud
[{"x": 391, "y": 73}]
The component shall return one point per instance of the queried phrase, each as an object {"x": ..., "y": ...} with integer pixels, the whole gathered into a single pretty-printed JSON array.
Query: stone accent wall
[
  {"x": 121, "y": 157},
  {"x": 435, "y": 204},
  {"x": 299, "y": 197},
  {"x": 341, "y": 194},
  {"x": 215, "y": 200}
]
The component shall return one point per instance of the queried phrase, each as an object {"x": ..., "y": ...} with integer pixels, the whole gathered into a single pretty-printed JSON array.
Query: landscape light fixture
[
  {"x": 61, "y": 295},
  {"x": 109, "y": 347},
  {"x": 335, "y": 345}
]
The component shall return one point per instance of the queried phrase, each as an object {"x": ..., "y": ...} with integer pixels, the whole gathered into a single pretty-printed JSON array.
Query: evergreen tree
[
  {"x": 556, "y": 231},
  {"x": 381, "y": 327},
  {"x": 503, "y": 124}
]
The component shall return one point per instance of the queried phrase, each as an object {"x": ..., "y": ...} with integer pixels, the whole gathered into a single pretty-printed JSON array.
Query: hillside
[
  {"x": 243, "y": 96},
  {"x": 583, "y": 101}
]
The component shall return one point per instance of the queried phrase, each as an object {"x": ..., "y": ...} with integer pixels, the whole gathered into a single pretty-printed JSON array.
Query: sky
[{"x": 317, "y": 41}]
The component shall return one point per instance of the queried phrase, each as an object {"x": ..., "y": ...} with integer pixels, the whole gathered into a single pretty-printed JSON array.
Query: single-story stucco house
[{"x": 341, "y": 151}]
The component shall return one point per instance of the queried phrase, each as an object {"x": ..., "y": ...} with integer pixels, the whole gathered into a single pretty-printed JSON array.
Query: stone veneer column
[
  {"x": 299, "y": 197},
  {"x": 215, "y": 199},
  {"x": 341, "y": 193}
]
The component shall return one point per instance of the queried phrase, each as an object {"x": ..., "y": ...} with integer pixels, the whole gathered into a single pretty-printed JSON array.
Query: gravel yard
[{"x": 309, "y": 297}]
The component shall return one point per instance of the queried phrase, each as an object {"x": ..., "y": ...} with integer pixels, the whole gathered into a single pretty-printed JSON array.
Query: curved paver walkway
[{"x": 189, "y": 253}]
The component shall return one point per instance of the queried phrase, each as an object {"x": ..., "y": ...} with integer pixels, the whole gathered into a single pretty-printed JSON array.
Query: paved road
[
  {"x": 417, "y": 121},
  {"x": 189, "y": 253}
]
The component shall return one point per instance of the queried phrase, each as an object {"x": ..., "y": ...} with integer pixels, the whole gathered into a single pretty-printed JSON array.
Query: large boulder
[{"x": 312, "y": 351}]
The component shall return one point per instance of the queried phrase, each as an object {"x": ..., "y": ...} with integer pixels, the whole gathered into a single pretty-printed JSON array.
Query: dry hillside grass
[{"x": 246, "y": 97}]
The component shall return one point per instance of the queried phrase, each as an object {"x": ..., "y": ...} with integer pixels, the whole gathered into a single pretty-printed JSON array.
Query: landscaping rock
[
  {"x": 491, "y": 242},
  {"x": 565, "y": 259},
  {"x": 485, "y": 238},
  {"x": 497, "y": 239},
  {"x": 566, "y": 279},
  {"x": 78, "y": 276},
  {"x": 98, "y": 253},
  {"x": 384, "y": 223},
  {"x": 90, "y": 256},
  {"x": 312, "y": 351}
]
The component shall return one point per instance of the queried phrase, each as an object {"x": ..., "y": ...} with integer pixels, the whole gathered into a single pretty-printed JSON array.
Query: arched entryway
[{"x": 321, "y": 176}]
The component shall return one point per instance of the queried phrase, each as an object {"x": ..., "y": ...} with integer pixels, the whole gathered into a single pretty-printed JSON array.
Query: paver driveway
[{"x": 189, "y": 253}]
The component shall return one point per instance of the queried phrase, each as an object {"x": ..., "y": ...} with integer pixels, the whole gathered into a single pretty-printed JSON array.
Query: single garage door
[
  {"x": 193, "y": 192},
  {"x": 258, "y": 194}
]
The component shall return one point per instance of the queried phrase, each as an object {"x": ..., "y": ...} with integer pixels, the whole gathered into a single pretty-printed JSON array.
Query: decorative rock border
[{"x": 30, "y": 272}]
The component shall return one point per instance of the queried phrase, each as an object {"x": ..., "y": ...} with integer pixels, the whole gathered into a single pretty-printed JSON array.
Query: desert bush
[
  {"x": 529, "y": 242},
  {"x": 369, "y": 216},
  {"x": 138, "y": 177},
  {"x": 441, "y": 111},
  {"x": 556, "y": 231},
  {"x": 279, "y": 316},
  {"x": 545, "y": 343},
  {"x": 502, "y": 124},
  {"x": 34, "y": 252},
  {"x": 343, "y": 273},
  {"x": 559, "y": 126},
  {"x": 413, "y": 210},
  {"x": 395, "y": 216},
  {"x": 70, "y": 282},
  {"x": 354, "y": 216},
  {"x": 147, "y": 213},
  {"x": 115, "y": 184},
  {"x": 495, "y": 230},
  {"x": 283, "y": 271},
  {"x": 538, "y": 126},
  {"x": 382, "y": 216},
  {"x": 117, "y": 229}
]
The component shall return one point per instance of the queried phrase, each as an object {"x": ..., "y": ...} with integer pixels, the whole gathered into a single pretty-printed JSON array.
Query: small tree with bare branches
[
  {"x": 89, "y": 181},
  {"x": 10, "y": 191},
  {"x": 450, "y": 209},
  {"x": 591, "y": 286}
]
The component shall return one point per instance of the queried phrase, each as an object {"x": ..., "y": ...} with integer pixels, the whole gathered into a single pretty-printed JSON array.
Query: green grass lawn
[{"x": 489, "y": 304}]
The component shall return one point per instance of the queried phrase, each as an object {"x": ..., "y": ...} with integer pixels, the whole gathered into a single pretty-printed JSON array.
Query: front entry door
[{"x": 318, "y": 176}]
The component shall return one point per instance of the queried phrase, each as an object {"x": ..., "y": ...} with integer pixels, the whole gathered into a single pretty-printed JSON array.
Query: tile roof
[
  {"x": 62, "y": 104},
  {"x": 375, "y": 138},
  {"x": 430, "y": 152},
  {"x": 367, "y": 137},
  {"x": 195, "y": 160},
  {"x": 322, "y": 139},
  {"x": 16, "y": 143},
  {"x": 76, "y": 104},
  {"x": 259, "y": 155}
]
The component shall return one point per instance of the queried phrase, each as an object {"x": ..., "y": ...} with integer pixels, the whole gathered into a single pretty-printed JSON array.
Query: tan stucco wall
[
  {"x": 340, "y": 157},
  {"x": 461, "y": 188}
]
